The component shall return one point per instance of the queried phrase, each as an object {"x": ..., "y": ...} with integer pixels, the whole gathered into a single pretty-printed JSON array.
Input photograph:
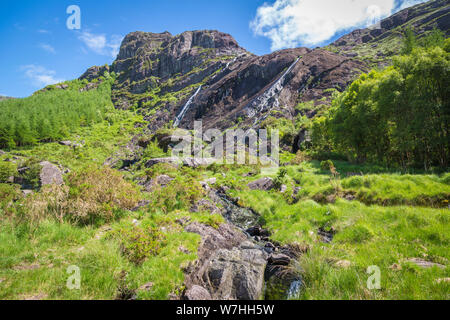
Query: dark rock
[
  {"x": 141, "y": 204},
  {"x": 265, "y": 184},
  {"x": 279, "y": 259},
  {"x": 172, "y": 161},
  {"x": 94, "y": 72}
]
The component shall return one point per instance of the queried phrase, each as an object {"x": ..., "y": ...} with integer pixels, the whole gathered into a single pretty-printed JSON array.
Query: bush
[
  {"x": 139, "y": 243},
  {"x": 327, "y": 165},
  {"x": 93, "y": 195},
  {"x": 8, "y": 194},
  {"x": 7, "y": 170},
  {"x": 180, "y": 194}
]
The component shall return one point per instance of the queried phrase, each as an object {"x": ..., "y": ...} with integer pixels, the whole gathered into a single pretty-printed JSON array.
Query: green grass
[
  {"x": 366, "y": 234},
  {"x": 54, "y": 247}
]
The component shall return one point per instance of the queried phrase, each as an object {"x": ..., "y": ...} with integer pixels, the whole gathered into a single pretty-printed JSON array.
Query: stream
[{"x": 246, "y": 219}]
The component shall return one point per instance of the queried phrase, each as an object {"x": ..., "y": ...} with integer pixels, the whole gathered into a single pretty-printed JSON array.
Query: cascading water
[
  {"x": 183, "y": 111},
  {"x": 261, "y": 103}
]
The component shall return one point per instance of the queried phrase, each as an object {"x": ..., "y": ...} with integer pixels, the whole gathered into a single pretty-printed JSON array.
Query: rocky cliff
[{"x": 207, "y": 75}]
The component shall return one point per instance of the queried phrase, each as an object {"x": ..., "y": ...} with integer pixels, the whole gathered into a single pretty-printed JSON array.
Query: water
[
  {"x": 263, "y": 102},
  {"x": 181, "y": 115},
  {"x": 294, "y": 289}
]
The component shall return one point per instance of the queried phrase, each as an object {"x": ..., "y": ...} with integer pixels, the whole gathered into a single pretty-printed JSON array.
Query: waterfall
[
  {"x": 181, "y": 115},
  {"x": 230, "y": 62},
  {"x": 261, "y": 103}
]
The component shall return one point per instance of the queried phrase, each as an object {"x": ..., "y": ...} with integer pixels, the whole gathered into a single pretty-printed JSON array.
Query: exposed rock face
[
  {"x": 229, "y": 87},
  {"x": 50, "y": 174},
  {"x": 420, "y": 18},
  {"x": 229, "y": 267},
  {"x": 94, "y": 72}
]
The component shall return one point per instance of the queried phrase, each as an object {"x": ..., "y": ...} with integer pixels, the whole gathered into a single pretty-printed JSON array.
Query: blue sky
[{"x": 38, "y": 49}]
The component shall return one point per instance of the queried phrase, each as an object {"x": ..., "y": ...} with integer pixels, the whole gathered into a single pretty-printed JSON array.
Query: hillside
[{"x": 89, "y": 180}]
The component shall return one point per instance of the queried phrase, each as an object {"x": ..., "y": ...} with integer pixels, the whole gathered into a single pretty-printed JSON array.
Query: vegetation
[
  {"x": 397, "y": 116},
  {"x": 52, "y": 114}
]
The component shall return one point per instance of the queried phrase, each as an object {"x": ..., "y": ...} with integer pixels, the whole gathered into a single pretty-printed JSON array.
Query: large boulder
[
  {"x": 229, "y": 267},
  {"x": 265, "y": 184},
  {"x": 50, "y": 174}
]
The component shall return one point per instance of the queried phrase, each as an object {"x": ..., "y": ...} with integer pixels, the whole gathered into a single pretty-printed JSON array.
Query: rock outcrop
[
  {"x": 50, "y": 174},
  {"x": 229, "y": 266}
]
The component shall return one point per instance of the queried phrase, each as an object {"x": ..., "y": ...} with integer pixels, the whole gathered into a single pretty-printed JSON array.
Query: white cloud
[
  {"x": 40, "y": 76},
  {"x": 47, "y": 47},
  {"x": 100, "y": 44},
  {"x": 290, "y": 23}
]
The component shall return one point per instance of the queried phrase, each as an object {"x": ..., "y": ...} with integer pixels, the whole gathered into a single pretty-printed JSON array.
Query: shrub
[
  {"x": 89, "y": 196},
  {"x": 7, "y": 169},
  {"x": 180, "y": 194},
  {"x": 139, "y": 243},
  {"x": 327, "y": 165},
  {"x": 8, "y": 194}
]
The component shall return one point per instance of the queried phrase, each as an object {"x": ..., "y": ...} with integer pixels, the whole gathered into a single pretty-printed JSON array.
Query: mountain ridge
[{"x": 159, "y": 73}]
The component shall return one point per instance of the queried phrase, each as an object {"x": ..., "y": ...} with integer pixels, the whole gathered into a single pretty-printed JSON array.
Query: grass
[
  {"x": 382, "y": 235},
  {"x": 394, "y": 217},
  {"x": 54, "y": 247}
]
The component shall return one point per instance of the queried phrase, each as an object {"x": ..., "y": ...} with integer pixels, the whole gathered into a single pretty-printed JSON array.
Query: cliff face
[{"x": 207, "y": 75}]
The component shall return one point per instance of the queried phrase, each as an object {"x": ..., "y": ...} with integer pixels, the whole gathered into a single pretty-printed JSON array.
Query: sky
[{"x": 37, "y": 48}]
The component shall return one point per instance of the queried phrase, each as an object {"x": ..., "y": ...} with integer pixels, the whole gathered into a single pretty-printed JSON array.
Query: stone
[
  {"x": 198, "y": 162},
  {"x": 443, "y": 280},
  {"x": 26, "y": 193},
  {"x": 229, "y": 267},
  {"x": 50, "y": 174},
  {"x": 283, "y": 188},
  {"x": 424, "y": 264},
  {"x": 163, "y": 180},
  {"x": 197, "y": 293},
  {"x": 343, "y": 264},
  {"x": 2, "y": 152},
  {"x": 396, "y": 267},
  {"x": 279, "y": 259},
  {"x": 174, "y": 161},
  {"x": 265, "y": 184},
  {"x": 146, "y": 287}
]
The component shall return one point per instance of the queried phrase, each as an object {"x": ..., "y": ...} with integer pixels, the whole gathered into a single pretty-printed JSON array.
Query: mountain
[
  {"x": 159, "y": 73},
  {"x": 207, "y": 75},
  {"x": 375, "y": 45}
]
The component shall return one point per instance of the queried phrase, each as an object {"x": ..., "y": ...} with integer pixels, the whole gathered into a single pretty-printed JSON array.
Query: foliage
[
  {"x": 399, "y": 115},
  {"x": 7, "y": 170},
  {"x": 91, "y": 196},
  {"x": 51, "y": 114},
  {"x": 138, "y": 243}
]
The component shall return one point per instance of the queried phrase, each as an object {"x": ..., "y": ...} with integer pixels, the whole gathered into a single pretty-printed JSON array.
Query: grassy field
[{"x": 392, "y": 218}]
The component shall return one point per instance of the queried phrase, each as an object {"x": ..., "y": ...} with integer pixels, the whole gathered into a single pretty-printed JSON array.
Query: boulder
[
  {"x": 197, "y": 293},
  {"x": 172, "y": 161},
  {"x": 229, "y": 267},
  {"x": 50, "y": 174},
  {"x": 265, "y": 184},
  {"x": 424, "y": 264},
  {"x": 198, "y": 162},
  {"x": 279, "y": 259}
]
